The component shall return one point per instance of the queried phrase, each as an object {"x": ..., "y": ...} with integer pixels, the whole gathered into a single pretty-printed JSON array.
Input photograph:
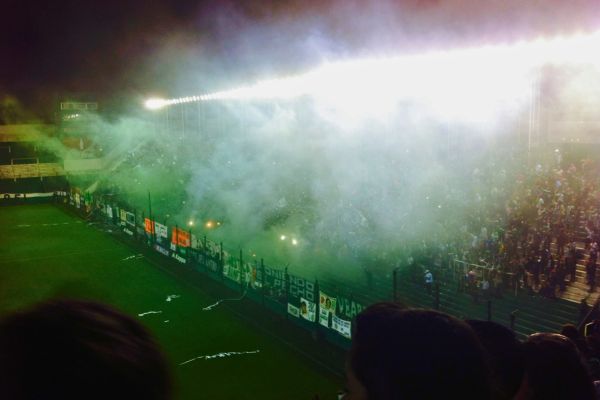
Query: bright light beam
[
  {"x": 155, "y": 104},
  {"x": 481, "y": 76}
]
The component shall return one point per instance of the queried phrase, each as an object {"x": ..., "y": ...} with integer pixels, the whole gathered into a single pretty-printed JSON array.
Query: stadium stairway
[{"x": 579, "y": 289}]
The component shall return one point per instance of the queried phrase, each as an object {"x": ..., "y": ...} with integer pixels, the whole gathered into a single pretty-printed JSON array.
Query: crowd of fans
[{"x": 529, "y": 229}]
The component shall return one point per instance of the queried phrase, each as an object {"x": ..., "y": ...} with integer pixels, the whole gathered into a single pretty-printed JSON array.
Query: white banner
[
  {"x": 325, "y": 317},
  {"x": 130, "y": 218},
  {"x": 343, "y": 327},
  {"x": 327, "y": 302},
  {"x": 293, "y": 310},
  {"x": 160, "y": 230},
  {"x": 327, "y": 306},
  {"x": 196, "y": 243},
  {"x": 109, "y": 211},
  {"x": 308, "y": 309}
]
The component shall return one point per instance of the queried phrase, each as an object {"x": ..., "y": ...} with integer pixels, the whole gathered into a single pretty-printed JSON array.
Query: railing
[
  {"x": 318, "y": 306},
  {"x": 284, "y": 293}
]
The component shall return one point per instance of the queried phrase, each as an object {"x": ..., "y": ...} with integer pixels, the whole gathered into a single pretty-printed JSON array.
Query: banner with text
[
  {"x": 343, "y": 327},
  {"x": 274, "y": 282},
  {"x": 300, "y": 287},
  {"x": 161, "y": 231},
  {"x": 180, "y": 237},
  {"x": 149, "y": 225},
  {"x": 231, "y": 267},
  {"x": 348, "y": 307}
]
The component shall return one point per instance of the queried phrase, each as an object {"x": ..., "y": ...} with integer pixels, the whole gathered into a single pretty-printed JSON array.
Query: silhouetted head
[
  {"x": 407, "y": 354},
  {"x": 554, "y": 370},
  {"x": 505, "y": 357},
  {"x": 79, "y": 350}
]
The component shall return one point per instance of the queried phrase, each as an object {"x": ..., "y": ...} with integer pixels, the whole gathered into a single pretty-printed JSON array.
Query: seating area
[{"x": 40, "y": 170}]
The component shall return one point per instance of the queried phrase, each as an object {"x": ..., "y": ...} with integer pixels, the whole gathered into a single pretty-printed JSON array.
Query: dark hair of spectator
[
  {"x": 571, "y": 331},
  {"x": 79, "y": 350},
  {"x": 505, "y": 357},
  {"x": 554, "y": 370},
  {"x": 407, "y": 354}
]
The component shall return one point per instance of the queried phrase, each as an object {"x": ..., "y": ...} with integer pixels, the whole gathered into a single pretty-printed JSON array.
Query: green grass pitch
[{"x": 45, "y": 253}]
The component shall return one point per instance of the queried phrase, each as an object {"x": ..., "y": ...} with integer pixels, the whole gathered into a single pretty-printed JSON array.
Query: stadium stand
[
  {"x": 28, "y": 167},
  {"x": 19, "y": 171}
]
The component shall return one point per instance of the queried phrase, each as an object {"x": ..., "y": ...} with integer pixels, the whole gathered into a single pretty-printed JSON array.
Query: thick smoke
[{"x": 348, "y": 190}]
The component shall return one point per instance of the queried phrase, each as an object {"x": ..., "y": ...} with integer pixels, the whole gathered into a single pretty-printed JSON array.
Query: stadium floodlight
[
  {"x": 451, "y": 81},
  {"x": 156, "y": 103},
  {"x": 282, "y": 237}
]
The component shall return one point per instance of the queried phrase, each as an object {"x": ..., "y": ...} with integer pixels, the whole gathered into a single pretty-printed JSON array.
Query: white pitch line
[
  {"x": 113, "y": 250},
  {"x": 220, "y": 355},
  {"x": 149, "y": 312},
  {"x": 45, "y": 224},
  {"x": 208, "y": 308}
]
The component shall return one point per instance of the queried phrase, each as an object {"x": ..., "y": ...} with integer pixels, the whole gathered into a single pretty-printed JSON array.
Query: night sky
[{"x": 118, "y": 52}]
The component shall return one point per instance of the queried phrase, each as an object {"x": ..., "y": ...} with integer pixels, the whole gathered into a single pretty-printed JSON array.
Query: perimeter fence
[{"x": 326, "y": 307}]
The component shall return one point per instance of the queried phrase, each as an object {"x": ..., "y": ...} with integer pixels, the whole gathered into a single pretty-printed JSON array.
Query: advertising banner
[
  {"x": 161, "y": 230},
  {"x": 180, "y": 237},
  {"x": 348, "y": 307},
  {"x": 149, "y": 225}
]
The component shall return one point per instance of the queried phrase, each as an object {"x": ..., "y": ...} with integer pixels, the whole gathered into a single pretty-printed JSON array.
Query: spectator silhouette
[
  {"x": 554, "y": 370},
  {"x": 505, "y": 357},
  {"x": 70, "y": 349},
  {"x": 408, "y": 354},
  {"x": 571, "y": 331}
]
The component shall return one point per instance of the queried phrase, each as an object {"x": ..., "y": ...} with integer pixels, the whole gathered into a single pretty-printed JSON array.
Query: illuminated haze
[{"x": 349, "y": 178}]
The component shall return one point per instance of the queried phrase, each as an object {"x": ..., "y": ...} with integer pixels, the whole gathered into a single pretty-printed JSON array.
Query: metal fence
[{"x": 325, "y": 307}]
